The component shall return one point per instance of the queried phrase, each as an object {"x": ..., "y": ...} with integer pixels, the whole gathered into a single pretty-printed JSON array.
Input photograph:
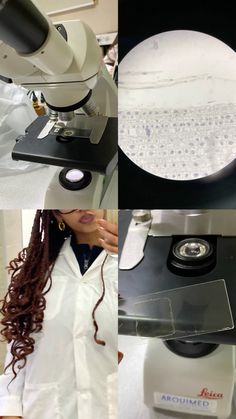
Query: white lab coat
[
  {"x": 69, "y": 376},
  {"x": 16, "y": 114}
]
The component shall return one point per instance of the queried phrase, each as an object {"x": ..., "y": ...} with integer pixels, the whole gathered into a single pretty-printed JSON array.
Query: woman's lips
[{"x": 87, "y": 218}]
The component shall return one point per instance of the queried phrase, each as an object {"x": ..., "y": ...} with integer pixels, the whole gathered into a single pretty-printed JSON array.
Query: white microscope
[
  {"x": 177, "y": 289},
  {"x": 64, "y": 62}
]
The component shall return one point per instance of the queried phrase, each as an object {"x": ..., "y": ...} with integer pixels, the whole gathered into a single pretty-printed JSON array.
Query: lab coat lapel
[
  {"x": 97, "y": 262},
  {"x": 67, "y": 253},
  {"x": 69, "y": 257}
]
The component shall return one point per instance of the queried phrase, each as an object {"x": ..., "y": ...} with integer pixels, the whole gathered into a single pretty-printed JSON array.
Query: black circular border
[{"x": 74, "y": 186}]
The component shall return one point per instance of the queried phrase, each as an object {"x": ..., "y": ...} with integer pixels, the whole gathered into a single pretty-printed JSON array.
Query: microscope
[
  {"x": 63, "y": 62},
  {"x": 177, "y": 292}
]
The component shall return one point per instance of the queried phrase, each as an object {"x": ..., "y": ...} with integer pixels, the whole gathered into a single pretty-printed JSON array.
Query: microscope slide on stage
[
  {"x": 63, "y": 62},
  {"x": 177, "y": 298}
]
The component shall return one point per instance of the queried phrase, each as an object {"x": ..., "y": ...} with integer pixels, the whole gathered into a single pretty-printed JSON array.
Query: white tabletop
[{"x": 25, "y": 190}]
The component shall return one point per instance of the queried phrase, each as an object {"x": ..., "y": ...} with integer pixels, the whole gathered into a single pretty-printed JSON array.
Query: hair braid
[{"x": 24, "y": 304}]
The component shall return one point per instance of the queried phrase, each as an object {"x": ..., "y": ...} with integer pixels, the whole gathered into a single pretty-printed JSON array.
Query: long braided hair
[{"x": 24, "y": 304}]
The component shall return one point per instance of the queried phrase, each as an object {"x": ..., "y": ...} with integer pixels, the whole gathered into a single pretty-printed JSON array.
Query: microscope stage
[
  {"x": 73, "y": 152},
  {"x": 153, "y": 275}
]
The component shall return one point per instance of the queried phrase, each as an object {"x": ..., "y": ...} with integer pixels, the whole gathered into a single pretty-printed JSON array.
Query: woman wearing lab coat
[{"x": 60, "y": 319}]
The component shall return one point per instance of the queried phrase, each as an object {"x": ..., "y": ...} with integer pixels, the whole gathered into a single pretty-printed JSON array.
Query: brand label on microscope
[
  {"x": 211, "y": 395},
  {"x": 182, "y": 403}
]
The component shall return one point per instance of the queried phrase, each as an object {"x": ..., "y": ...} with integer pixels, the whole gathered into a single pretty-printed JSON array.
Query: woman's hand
[{"x": 109, "y": 235}]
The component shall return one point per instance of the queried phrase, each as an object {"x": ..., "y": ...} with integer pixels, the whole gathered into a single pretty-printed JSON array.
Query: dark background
[{"x": 139, "y": 20}]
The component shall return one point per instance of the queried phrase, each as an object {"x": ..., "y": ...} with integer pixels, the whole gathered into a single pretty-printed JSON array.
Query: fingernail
[
  {"x": 100, "y": 220},
  {"x": 103, "y": 241}
]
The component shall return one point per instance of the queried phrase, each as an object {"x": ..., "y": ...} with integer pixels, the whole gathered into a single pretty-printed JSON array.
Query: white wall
[
  {"x": 27, "y": 222},
  {"x": 102, "y": 17}
]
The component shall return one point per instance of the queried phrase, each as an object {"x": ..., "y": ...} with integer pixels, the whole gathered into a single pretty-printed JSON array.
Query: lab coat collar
[{"x": 68, "y": 253}]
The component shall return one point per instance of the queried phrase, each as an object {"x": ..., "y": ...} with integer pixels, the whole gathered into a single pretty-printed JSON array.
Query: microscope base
[
  {"x": 110, "y": 197},
  {"x": 92, "y": 196},
  {"x": 200, "y": 386}
]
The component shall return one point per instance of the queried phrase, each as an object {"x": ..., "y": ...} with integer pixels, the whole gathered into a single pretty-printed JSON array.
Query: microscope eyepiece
[{"x": 22, "y": 26}]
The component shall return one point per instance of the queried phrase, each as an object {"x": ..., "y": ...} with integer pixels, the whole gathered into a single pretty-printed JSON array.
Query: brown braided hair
[{"x": 24, "y": 304}]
